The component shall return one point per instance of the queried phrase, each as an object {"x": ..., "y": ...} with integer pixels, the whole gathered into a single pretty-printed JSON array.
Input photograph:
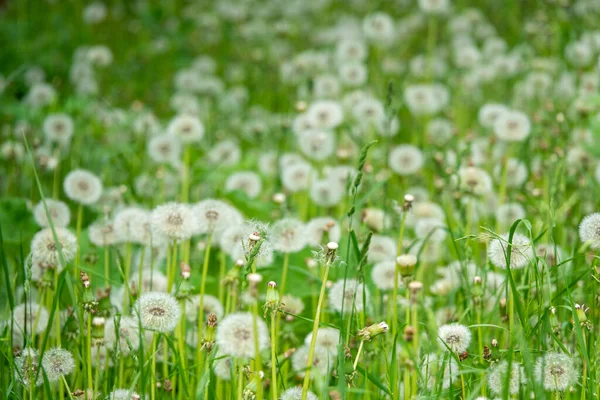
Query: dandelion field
[{"x": 299, "y": 199}]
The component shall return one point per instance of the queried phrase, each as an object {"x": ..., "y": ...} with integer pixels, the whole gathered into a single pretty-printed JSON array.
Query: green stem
[
  {"x": 274, "y": 320},
  {"x": 360, "y": 347},
  {"x": 313, "y": 341}
]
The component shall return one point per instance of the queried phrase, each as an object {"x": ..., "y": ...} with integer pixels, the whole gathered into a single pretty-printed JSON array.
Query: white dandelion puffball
[
  {"x": 288, "y": 235},
  {"x": 158, "y": 311},
  {"x": 59, "y": 128},
  {"x": 222, "y": 366},
  {"x": 83, "y": 187},
  {"x": 226, "y": 153},
  {"x": 102, "y": 233},
  {"x": 132, "y": 224},
  {"x": 556, "y": 371},
  {"x": 187, "y": 128},
  {"x": 405, "y": 159},
  {"x": 456, "y": 337},
  {"x": 431, "y": 228},
  {"x": 40, "y": 95},
  {"x": 123, "y": 394},
  {"x": 44, "y": 248},
  {"x": 381, "y": 248},
  {"x": 507, "y": 214},
  {"x": 57, "y": 363},
  {"x": 164, "y": 149},
  {"x": 174, "y": 220},
  {"x": 326, "y": 193},
  {"x": 246, "y": 181},
  {"x": 434, "y": 7},
  {"x": 26, "y": 370},
  {"x": 122, "y": 333},
  {"x": 378, "y": 28},
  {"x": 59, "y": 213},
  {"x": 317, "y": 229},
  {"x": 295, "y": 393},
  {"x": 383, "y": 274},
  {"x": 520, "y": 254},
  {"x": 211, "y": 305},
  {"x": 351, "y": 49},
  {"x": 297, "y": 176},
  {"x": 515, "y": 175},
  {"x": 327, "y": 339},
  {"x": 497, "y": 378},
  {"x": 351, "y": 297},
  {"x": 589, "y": 230},
  {"x": 235, "y": 335},
  {"x": 25, "y": 317},
  {"x": 215, "y": 216},
  {"x": 512, "y": 126},
  {"x": 316, "y": 144},
  {"x": 322, "y": 361},
  {"x": 474, "y": 180},
  {"x": 325, "y": 114},
  {"x": 489, "y": 113}
]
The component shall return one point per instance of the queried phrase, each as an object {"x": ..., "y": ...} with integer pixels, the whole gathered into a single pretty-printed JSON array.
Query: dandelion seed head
[
  {"x": 164, "y": 149},
  {"x": 44, "y": 248},
  {"x": 59, "y": 214},
  {"x": 58, "y": 128},
  {"x": 188, "y": 128},
  {"x": 235, "y": 335},
  {"x": 245, "y": 181},
  {"x": 497, "y": 378},
  {"x": 589, "y": 230},
  {"x": 288, "y": 235},
  {"x": 158, "y": 311},
  {"x": 521, "y": 251},
  {"x": 295, "y": 393},
  {"x": 322, "y": 362},
  {"x": 351, "y": 297},
  {"x": 406, "y": 159},
  {"x": 556, "y": 371},
  {"x": 176, "y": 221},
  {"x": 456, "y": 337},
  {"x": 57, "y": 363},
  {"x": 126, "y": 337},
  {"x": 82, "y": 187}
]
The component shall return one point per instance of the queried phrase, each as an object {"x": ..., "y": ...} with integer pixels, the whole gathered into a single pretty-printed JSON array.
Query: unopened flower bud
[{"x": 371, "y": 331}]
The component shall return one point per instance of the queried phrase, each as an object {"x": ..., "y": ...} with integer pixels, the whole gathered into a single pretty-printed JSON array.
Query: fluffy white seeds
[
  {"x": 556, "y": 371},
  {"x": 235, "y": 335},
  {"x": 174, "y": 220},
  {"x": 57, "y": 363},
  {"x": 456, "y": 337},
  {"x": 82, "y": 187},
  {"x": 512, "y": 126},
  {"x": 158, "y": 311},
  {"x": 60, "y": 215},
  {"x": 187, "y": 128},
  {"x": 322, "y": 361},
  {"x": 288, "y": 235},
  {"x": 589, "y": 230},
  {"x": 246, "y": 181},
  {"x": 295, "y": 393},
  {"x": 498, "y": 376},
  {"x": 348, "y": 298},
  {"x": 122, "y": 333},
  {"x": 327, "y": 338},
  {"x": 521, "y": 251},
  {"x": 406, "y": 159},
  {"x": 44, "y": 248},
  {"x": 58, "y": 128},
  {"x": 383, "y": 275}
]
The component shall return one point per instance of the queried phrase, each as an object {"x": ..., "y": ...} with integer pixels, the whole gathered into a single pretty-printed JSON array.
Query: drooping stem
[{"x": 360, "y": 347}]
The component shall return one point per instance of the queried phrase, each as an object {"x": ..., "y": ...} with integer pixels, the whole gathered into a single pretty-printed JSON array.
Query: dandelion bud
[
  {"x": 408, "y": 200},
  {"x": 371, "y": 331},
  {"x": 331, "y": 249},
  {"x": 186, "y": 271},
  {"x": 167, "y": 386},
  {"x": 98, "y": 330},
  {"x": 208, "y": 342},
  {"x": 272, "y": 295},
  {"x": 279, "y": 198},
  {"x": 85, "y": 279},
  {"x": 406, "y": 264},
  {"x": 255, "y": 278},
  {"x": 239, "y": 263},
  {"x": 409, "y": 333},
  {"x": 494, "y": 343},
  {"x": 311, "y": 263}
]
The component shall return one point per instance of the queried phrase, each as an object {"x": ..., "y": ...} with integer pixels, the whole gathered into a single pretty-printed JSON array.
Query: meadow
[{"x": 299, "y": 199}]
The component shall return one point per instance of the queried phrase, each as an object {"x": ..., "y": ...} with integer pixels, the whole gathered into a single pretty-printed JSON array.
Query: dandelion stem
[
  {"x": 360, "y": 347},
  {"x": 313, "y": 341}
]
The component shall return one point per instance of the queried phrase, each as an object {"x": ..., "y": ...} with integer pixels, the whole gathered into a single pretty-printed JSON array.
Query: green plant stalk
[
  {"x": 126, "y": 273},
  {"x": 90, "y": 380},
  {"x": 394, "y": 298},
  {"x": 185, "y": 179},
  {"x": 415, "y": 325},
  {"x": 313, "y": 341},
  {"x": 201, "y": 305},
  {"x": 274, "y": 321},
  {"x": 78, "y": 234},
  {"x": 284, "y": 272},
  {"x": 106, "y": 266},
  {"x": 257, "y": 359},
  {"x": 360, "y": 347},
  {"x": 67, "y": 387},
  {"x": 153, "y": 368}
]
